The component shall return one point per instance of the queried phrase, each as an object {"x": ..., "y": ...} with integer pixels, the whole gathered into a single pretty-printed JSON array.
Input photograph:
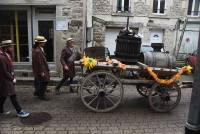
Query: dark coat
[
  {"x": 7, "y": 87},
  {"x": 39, "y": 64},
  {"x": 64, "y": 59}
]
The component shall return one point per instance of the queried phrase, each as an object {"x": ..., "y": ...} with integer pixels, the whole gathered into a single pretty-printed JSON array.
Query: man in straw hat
[
  {"x": 7, "y": 79},
  {"x": 67, "y": 58},
  {"x": 40, "y": 68}
]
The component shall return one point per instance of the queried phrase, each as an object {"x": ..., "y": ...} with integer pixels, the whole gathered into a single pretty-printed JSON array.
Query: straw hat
[
  {"x": 5, "y": 43},
  {"x": 40, "y": 39},
  {"x": 69, "y": 39}
]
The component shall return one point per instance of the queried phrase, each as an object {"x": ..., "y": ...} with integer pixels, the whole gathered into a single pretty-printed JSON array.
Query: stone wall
[
  {"x": 32, "y": 2},
  {"x": 99, "y": 33},
  {"x": 140, "y": 9},
  {"x": 73, "y": 11},
  {"x": 176, "y": 9},
  {"x": 146, "y": 33},
  {"x": 101, "y": 7},
  {"x": 168, "y": 40}
]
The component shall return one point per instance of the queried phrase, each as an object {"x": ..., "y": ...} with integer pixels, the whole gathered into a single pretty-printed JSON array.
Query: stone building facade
[
  {"x": 56, "y": 20},
  {"x": 157, "y": 21},
  {"x": 94, "y": 23}
]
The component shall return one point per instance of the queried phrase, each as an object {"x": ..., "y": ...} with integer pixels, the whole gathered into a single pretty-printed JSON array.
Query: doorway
[
  {"x": 44, "y": 25},
  {"x": 45, "y": 28}
]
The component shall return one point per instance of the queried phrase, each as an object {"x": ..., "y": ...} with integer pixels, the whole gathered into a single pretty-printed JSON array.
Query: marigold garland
[{"x": 173, "y": 79}]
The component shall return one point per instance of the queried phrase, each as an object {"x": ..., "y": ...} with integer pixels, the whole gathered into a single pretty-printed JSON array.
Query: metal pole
[
  {"x": 193, "y": 122},
  {"x": 84, "y": 25},
  {"x": 17, "y": 36},
  {"x": 127, "y": 25},
  {"x": 177, "y": 26}
]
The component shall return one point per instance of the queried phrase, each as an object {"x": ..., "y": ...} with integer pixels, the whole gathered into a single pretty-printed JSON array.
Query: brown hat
[
  {"x": 6, "y": 43},
  {"x": 40, "y": 39}
]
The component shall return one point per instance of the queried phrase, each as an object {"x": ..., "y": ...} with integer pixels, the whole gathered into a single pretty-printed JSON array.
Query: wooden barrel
[
  {"x": 128, "y": 46},
  {"x": 159, "y": 59}
]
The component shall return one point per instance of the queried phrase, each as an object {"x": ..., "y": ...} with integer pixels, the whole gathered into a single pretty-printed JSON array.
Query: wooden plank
[
  {"x": 136, "y": 81},
  {"x": 138, "y": 67}
]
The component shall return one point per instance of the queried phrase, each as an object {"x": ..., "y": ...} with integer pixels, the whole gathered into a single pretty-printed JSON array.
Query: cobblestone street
[{"x": 70, "y": 116}]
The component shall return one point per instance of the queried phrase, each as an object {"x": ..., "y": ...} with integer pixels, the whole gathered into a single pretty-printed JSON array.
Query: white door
[
  {"x": 156, "y": 36},
  {"x": 110, "y": 37},
  {"x": 190, "y": 38}
]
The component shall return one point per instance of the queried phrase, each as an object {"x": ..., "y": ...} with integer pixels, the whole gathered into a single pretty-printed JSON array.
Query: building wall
[
  {"x": 141, "y": 13},
  {"x": 101, "y": 7},
  {"x": 71, "y": 10},
  {"x": 32, "y": 2}
]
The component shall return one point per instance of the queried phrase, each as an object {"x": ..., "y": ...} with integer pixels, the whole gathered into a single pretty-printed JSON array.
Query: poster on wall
[{"x": 62, "y": 24}]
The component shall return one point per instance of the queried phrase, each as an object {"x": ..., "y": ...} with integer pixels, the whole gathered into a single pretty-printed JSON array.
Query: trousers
[
  {"x": 14, "y": 101},
  {"x": 40, "y": 86},
  {"x": 64, "y": 80}
]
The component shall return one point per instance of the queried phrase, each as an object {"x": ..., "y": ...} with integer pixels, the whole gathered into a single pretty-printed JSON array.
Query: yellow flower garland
[
  {"x": 173, "y": 79},
  {"x": 89, "y": 63}
]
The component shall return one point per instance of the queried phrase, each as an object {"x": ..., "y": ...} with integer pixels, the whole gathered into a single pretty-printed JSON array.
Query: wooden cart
[{"x": 101, "y": 89}]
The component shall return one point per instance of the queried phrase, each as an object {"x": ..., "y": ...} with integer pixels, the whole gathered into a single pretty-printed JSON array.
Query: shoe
[
  {"x": 23, "y": 114},
  {"x": 5, "y": 113}
]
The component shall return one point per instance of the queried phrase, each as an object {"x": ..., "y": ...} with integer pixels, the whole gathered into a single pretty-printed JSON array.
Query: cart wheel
[
  {"x": 143, "y": 90},
  {"x": 101, "y": 91},
  {"x": 164, "y": 98}
]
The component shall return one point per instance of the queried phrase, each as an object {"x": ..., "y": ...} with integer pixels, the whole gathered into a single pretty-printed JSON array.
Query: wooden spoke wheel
[
  {"x": 101, "y": 91},
  {"x": 164, "y": 98}
]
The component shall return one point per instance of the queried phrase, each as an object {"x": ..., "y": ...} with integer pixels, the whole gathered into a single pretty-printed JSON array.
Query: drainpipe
[
  {"x": 193, "y": 121},
  {"x": 17, "y": 35},
  {"x": 177, "y": 26},
  {"x": 84, "y": 24}
]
